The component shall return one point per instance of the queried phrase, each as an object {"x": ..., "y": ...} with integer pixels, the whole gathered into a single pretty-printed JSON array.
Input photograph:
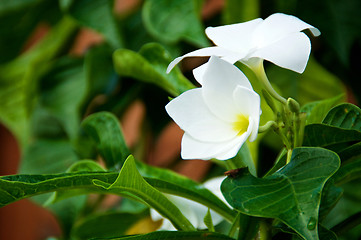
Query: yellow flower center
[{"x": 241, "y": 124}]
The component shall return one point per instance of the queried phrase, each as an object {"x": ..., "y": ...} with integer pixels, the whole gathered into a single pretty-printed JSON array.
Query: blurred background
[{"x": 56, "y": 67}]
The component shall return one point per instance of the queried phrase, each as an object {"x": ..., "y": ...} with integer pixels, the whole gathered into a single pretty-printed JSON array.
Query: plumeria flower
[
  {"x": 193, "y": 211},
  {"x": 218, "y": 117},
  {"x": 277, "y": 39}
]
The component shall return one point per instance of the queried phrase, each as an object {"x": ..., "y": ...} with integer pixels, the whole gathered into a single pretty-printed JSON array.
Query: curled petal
[
  {"x": 291, "y": 52},
  {"x": 220, "y": 80},
  {"x": 278, "y": 26},
  {"x": 236, "y": 37},
  {"x": 191, "y": 114},
  {"x": 203, "y": 52}
]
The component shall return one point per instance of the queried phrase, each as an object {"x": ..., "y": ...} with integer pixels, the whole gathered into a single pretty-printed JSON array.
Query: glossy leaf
[
  {"x": 316, "y": 111},
  {"x": 321, "y": 135},
  {"x": 160, "y": 235},
  {"x": 149, "y": 65},
  {"x": 170, "y": 182},
  {"x": 340, "y": 128},
  {"x": 104, "y": 129},
  {"x": 291, "y": 194},
  {"x": 348, "y": 171},
  {"x": 164, "y": 180},
  {"x": 172, "y": 21},
  {"x": 346, "y": 116},
  {"x": 131, "y": 182}
]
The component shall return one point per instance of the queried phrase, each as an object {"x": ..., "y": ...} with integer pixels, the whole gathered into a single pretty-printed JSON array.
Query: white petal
[
  {"x": 198, "y": 73},
  {"x": 236, "y": 37},
  {"x": 291, "y": 52},
  {"x": 193, "y": 149},
  {"x": 249, "y": 103},
  {"x": 278, "y": 26},
  {"x": 219, "y": 81},
  {"x": 203, "y": 52},
  {"x": 191, "y": 114}
]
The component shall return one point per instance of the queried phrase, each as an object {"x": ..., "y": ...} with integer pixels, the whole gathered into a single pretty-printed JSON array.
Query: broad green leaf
[
  {"x": 170, "y": 182},
  {"x": 149, "y": 65},
  {"x": 131, "y": 182},
  {"x": 316, "y": 111},
  {"x": 292, "y": 194},
  {"x": 108, "y": 224},
  {"x": 348, "y": 172},
  {"x": 331, "y": 194},
  {"x": 340, "y": 128},
  {"x": 164, "y": 180},
  {"x": 18, "y": 79},
  {"x": 237, "y": 11},
  {"x": 104, "y": 129},
  {"x": 97, "y": 15},
  {"x": 321, "y": 135},
  {"x": 173, "y": 21},
  {"x": 77, "y": 167},
  {"x": 346, "y": 116},
  {"x": 179, "y": 235}
]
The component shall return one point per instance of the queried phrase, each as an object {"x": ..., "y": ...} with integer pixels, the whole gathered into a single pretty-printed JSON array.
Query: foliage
[{"x": 66, "y": 107}]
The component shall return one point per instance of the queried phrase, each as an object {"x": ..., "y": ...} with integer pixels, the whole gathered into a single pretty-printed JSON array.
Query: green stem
[
  {"x": 261, "y": 74},
  {"x": 267, "y": 126}
]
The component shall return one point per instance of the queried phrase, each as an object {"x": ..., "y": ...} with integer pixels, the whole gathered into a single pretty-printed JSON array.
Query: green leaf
[
  {"x": 18, "y": 79},
  {"x": 130, "y": 181},
  {"x": 172, "y": 21},
  {"x": 104, "y": 129},
  {"x": 160, "y": 235},
  {"x": 348, "y": 172},
  {"x": 346, "y": 116},
  {"x": 340, "y": 128},
  {"x": 208, "y": 221},
  {"x": 162, "y": 179},
  {"x": 172, "y": 183},
  {"x": 104, "y": 225},
  {"x": 149, "y": 65},
  {"x": 97, "y": 15},
  {"x": 292, "y": 194},
  {"x": 321, "y": 135},
  {"x": 316, "y": 111}
]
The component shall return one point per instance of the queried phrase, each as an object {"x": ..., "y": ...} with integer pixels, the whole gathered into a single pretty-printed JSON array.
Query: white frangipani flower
[
  {"x": 277, "y": 39},
  {"x": 218, "y": 117},
  {"x": 193, "y": 211}
]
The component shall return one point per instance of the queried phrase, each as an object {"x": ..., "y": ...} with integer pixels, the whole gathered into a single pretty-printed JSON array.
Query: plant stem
[
  {"x": 261, "y": 75},
  {"x": 267, "y": 126}
]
